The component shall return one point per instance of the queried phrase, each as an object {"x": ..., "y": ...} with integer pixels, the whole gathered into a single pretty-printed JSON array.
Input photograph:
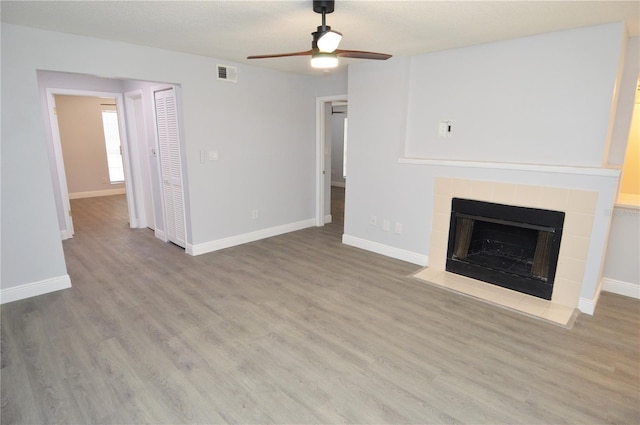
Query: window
[{"x": 112, "y": 143}]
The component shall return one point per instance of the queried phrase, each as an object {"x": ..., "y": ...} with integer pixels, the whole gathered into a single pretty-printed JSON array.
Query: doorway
[
  {"x": 85, "y": 181},
  {"x": 324, "y": 169},
  {"x": 135, "y": 107},
  {"x": 338, "y": 166}
]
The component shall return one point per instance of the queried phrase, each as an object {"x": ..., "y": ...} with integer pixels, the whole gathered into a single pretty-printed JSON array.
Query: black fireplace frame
[{"x": 532, "y": 218}]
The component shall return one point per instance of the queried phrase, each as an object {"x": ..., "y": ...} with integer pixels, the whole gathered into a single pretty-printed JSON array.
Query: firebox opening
[{"x": 513, "y": 247}]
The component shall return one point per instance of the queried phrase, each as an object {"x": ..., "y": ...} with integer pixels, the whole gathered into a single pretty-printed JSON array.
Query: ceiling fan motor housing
[{"x": 326, "y": 6}]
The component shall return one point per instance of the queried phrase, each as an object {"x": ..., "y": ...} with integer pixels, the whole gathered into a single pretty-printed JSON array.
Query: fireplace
[{"x": 509, "y": 246}]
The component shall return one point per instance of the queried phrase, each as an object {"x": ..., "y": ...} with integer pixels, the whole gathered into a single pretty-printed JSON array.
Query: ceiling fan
[{"x": 324, "y": 46}]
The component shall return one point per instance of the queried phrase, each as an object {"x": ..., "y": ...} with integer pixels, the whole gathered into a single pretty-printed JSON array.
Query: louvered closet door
[{"x": 170, "y": 164}]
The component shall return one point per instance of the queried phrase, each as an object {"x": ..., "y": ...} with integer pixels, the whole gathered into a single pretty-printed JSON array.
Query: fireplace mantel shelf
[{"x": 542, "y": 168}]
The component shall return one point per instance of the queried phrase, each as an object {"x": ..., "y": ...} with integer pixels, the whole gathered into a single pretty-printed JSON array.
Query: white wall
[
  {"x": 539, "y": 99},
  {"x": 384, "y": 112},
  {"x": 262, "y": 127},
  {"x": 621, "y": 270}
]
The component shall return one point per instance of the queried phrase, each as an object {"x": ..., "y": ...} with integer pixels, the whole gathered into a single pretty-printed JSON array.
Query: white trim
[
  {"x": 33, "y": 289},
  {"x": 389, "y": 251},
  {"x": 629, "y": 201},
  {"x": 339, "y": 184},
  {"x": 160, "y": 235},
  {"x": 328, "y": 219},
  {"x": 561, "y": 169},
  {"x": 62, "y": 187},
  {"x": 126, "y": 161},
  {"x": 320, "y": 149},
  {"x": 203, "y": 248},
  {"x": 619, "y": 287},
  {"x": 138, "y": 151},
  {"x": 587, "y": 306},
  {"x": 96, "y": 193}
]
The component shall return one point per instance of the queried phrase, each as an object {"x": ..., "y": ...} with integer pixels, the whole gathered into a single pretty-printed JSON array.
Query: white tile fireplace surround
[{"x": 578, "y": 260}]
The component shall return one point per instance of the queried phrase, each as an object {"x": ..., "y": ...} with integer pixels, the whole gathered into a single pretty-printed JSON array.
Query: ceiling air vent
[{"x": 228, "y": 73}]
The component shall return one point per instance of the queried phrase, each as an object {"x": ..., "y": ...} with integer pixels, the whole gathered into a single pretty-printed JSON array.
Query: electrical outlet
[
  {"x": 386, "y": 225},
  {"x": 373, "y": 220},
  {"x": 398, "y": 228},
  {"x": 254, "y": 214}
]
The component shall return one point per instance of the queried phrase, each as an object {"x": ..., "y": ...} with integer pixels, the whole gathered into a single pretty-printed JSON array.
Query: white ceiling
[{"x": 232, "y": 30}]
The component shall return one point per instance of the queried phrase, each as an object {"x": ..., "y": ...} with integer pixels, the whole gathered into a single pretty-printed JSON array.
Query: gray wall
[
  {"x": 266, "y": 160},
  {"x": 395, "y": 106},
  {"x": 544, "y": 99},
  {"x": 623, "y": 251}
]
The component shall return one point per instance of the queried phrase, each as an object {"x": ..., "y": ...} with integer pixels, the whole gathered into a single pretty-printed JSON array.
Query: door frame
[
  {"x": 137, "y": 130},
  {"x": 321, "y": 138},
  {"x": 61, "y": 185}
]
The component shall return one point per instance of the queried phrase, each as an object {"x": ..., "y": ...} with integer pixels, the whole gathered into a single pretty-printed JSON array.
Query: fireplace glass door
[{"x": 509, "y": 246}]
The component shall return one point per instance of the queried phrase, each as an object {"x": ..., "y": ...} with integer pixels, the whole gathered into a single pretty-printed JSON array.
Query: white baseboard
[
  {"x": 160, "y": 235},
  {"x": 619, "y": 287},
  {"x": 586, "y": 306},
  {"x": 389, "y": 251},
  {"x": 33, "y": 289},
  {"x": 328, "y": 219},
  {"x": 203, "y": 248},
  {"x": 96, "y": 193}
]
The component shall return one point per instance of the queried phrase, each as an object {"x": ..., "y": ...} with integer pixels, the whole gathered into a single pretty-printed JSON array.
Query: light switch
[
  {"x": 444, "y": 129},
  {"x": 213, "y": 155}
]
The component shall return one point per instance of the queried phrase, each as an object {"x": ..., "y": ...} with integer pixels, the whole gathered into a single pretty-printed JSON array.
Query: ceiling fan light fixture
[
  {"x": 324, "y": 45},
  {"x": 324, "y": 60},
  {"x": 328, "y": 42}
]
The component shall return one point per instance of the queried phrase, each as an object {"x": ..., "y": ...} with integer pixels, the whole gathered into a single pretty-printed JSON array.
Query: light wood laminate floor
[{"x": 295, "y": 329}]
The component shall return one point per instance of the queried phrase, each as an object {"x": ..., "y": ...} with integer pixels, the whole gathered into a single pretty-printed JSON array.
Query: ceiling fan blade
[
  {"x": 359, "y": 54},
  {"x": 281, "y": 55}
]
